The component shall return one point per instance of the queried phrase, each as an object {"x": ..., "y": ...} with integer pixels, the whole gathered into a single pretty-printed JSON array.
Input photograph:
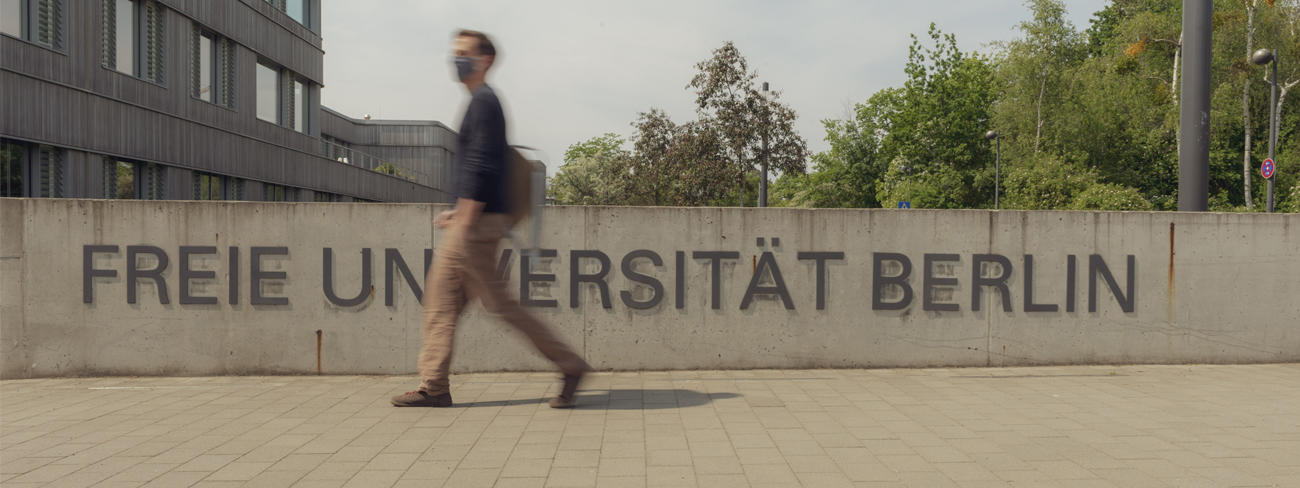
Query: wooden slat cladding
[
  {"x": 72, "y": 118},
  {"x": 263, "y": 30},
  {"x": 427, "y": 145},
  {"x": 68, "y": 98},
  {"x": 81, "y": 66},
  {"x": 387, "y": 132}
]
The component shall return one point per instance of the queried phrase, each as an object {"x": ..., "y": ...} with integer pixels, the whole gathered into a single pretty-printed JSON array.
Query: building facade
[{"x": 192, "y": 100}]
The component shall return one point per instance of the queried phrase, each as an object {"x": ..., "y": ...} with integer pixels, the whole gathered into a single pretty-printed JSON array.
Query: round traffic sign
[{"x": 1267, "y": 169}]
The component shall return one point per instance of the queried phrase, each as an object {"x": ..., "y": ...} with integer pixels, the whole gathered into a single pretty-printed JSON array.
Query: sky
[{"x": 570, "y": 70}]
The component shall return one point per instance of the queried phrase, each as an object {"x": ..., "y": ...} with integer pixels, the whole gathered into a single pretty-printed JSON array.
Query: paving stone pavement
[{"x": 1088, "y": 426}]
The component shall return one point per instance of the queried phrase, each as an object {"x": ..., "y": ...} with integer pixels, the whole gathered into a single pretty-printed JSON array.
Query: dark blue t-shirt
[{"x": 480, "y": 160}]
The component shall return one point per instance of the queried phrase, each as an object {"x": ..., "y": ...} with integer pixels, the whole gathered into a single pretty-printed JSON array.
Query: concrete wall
[{"x": 1216, "y": 288}]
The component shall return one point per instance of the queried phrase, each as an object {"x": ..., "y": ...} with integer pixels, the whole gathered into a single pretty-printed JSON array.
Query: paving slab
[{"x": 1114, "y": 426}]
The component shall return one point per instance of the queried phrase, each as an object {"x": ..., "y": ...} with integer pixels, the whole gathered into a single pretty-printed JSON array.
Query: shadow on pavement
[{"x": 634, "y": 399}]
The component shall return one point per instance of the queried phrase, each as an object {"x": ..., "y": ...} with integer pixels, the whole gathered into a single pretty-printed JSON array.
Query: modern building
[{"x": 193, "y": 100}]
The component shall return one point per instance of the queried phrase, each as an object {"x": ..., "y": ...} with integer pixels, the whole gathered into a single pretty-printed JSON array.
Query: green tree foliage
[
  {"x": 911, "y": 143},
  {"x": 1088, "y": 118},
  {"x": 708, "y": 161},
  {"x": 585, "y": 178},
  {"x": 751, "y": 125},
  {"x": 1046, "y": 183},
  {"x": 391, "y": 169},
  {"x": 1292, "y": 202},
  {"x": 1110, "y": 196},
  {"x": 844, "y": 176}
]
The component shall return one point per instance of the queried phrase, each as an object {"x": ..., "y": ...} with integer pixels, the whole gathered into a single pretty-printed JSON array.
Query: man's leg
[
  {"x": 484, "y": 283},
  {"x": 444, "y": 300}
]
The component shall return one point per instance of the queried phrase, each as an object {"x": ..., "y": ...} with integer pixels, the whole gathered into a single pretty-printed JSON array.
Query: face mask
[{"x": 464, "y": 67}]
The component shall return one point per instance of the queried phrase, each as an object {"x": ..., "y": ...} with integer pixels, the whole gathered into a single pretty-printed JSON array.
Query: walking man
[{"x": 465, "y": 266}]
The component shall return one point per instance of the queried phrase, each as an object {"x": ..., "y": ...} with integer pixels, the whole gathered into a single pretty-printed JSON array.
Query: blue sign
[
  {"x": 1267, "y": 169},
  {"x": 904, "y": 204}
]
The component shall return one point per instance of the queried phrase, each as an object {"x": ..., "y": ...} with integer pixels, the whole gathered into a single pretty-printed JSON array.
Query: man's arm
[{"x": 466, "y": 213}]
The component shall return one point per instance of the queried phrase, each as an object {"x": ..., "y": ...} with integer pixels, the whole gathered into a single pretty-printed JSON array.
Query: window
[
  {"x": 11, "y": 17},
  {"x": 321, "y": 196},
  {"x": 125, "y": 36},
  {"x": 120, "y": 180},
  {"x": 283, "y": 98},
  {"x": 336, "y": 149},
  {"x": 277, "y": 193},
  {"x": 49, "y": 167},
  {"x": 299, "y": 106},
  {"x": 37, "y": 21},
  {"x": 12, "y": 156},
  {"x": 205, "y": 62},
  {"x": 298, "y": 10},
  {"x": 28, "y": 170},
  {"x": 208, "y": 187},
  {"x": 268, "y": 93},
  {"x": 212, "y": 67},
  {"x": 153, "y": 181},
  {"x": 134, "y": 40}
]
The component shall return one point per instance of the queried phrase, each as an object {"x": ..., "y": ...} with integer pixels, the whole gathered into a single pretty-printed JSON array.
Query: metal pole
[
  {"x": 1194, "y": 124},
  {"x": 762, "y": 184},
  {"x": 997, "y": 174},
  {"x": 1272, "y": 131}
]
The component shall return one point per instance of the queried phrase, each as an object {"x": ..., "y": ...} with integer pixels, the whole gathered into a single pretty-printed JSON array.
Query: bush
[
  {"x": 1110, "y": 196},
  {"x": 1292, "y": 202},
  {"x": 1045, "y": 184},
  {"x": 941, "y": 187}
]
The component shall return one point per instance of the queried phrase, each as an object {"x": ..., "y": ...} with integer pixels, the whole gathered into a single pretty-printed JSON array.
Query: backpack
[{"x": 526, "y": 188}]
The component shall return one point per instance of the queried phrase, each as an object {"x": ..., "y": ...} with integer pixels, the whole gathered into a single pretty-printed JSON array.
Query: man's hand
[{"x": 444, "y": 219}]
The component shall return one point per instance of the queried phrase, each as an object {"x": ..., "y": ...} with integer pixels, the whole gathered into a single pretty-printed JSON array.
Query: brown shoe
[
  {"x": 421, "y": 398},
  {"x": 568, "y": 397}
]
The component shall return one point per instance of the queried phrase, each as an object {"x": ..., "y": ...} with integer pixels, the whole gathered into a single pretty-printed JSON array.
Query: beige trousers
[{"x": 464, "y": 268}]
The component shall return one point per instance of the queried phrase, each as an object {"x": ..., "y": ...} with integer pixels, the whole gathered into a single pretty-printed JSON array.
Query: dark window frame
[
  {"x": 222, "y": 193},
  {"x": 278, "y": 73},
  {"x": 306, "y": 21},
  {"x": 13, "y": 175},
  {"x": 30, "y": 21},
  {"x": 287, "y": 109},
  {"x": 222, "y": 76},
  {"x": 113, "y": 188},
  {"x": 140, "y": 34}
]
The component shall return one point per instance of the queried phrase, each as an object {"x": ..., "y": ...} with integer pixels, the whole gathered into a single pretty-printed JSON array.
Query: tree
[
  {"x": 728, "y": 102},
  {"x": 1044, "y": 184},
  {"x": 588, "y": 170},
  {"x": 846, "y": 175},
  {"x": 933, "y": 147},
  {"x": 676, "y": 164},
  {"x": 1036, "y": 67}
]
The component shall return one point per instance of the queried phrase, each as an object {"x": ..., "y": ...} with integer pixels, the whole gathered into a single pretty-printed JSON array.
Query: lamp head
[
  {"x": 1262, "y": 57},
  {"x": 991, "y": 135}
]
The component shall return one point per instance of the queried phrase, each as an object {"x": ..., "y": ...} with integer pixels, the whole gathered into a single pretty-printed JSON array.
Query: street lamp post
[
  {"x": 1262, "y": 57},
  {"x": 997, "y": 167},
  {"x": 762, "y": 184}
]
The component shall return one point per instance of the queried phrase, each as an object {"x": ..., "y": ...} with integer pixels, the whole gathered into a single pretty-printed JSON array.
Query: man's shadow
[{"x": 622, "y": 400}]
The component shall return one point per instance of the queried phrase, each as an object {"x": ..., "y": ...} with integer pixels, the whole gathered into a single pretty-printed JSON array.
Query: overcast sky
[{"x": 569, "y": 70}]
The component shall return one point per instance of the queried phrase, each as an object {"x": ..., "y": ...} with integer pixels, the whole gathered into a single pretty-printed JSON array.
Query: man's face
[
  {"x": 468, "y": 47},
  {"x": 465, "y": 46}
]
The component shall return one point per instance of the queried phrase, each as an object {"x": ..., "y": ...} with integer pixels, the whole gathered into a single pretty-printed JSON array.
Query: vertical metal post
[
  {"x": 762, "y": 184},
  {"x": 1272, "y": 131},
  {"x": 762, "y": 190},
  {"x": 1194, "y": 123},
  {"x": 997, "y": 175}
]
